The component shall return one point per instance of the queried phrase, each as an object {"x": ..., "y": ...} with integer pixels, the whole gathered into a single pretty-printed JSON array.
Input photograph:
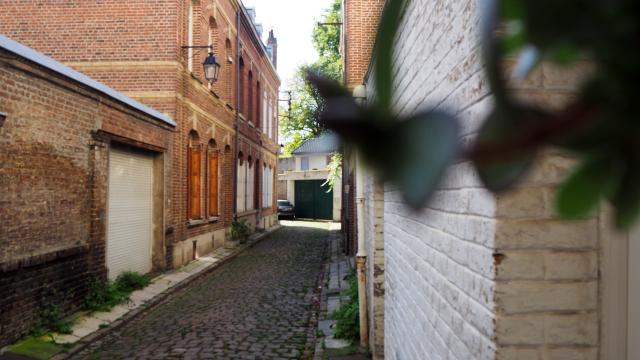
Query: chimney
[{"x": 272, "y": 49}]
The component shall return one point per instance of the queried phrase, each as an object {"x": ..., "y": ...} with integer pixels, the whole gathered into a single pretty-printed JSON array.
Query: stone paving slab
[{"x": 338, "y": 268}]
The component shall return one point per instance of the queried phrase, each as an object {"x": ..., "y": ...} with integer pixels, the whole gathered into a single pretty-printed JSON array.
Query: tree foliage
[
  {"x": 600, "y": 126},
  {"x": 303, "y": 119}
]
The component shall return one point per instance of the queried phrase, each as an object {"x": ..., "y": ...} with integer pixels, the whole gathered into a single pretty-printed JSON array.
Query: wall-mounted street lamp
[{"x": 210, "y": 64}]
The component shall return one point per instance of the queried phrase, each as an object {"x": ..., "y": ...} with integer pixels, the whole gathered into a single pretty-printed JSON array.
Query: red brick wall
[
  {"x": 106, "y": 30},
  {"x": 361, "y": 19},
  {"x": 135, "y": 47},
  {"x": 54, "y": 155}
]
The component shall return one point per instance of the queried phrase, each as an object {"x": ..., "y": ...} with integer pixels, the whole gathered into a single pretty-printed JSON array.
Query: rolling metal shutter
[{"x": 130, "y": 211}]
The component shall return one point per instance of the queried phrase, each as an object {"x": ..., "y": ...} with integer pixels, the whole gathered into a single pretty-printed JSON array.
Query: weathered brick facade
[
  {"x": 136, "y": 48},
  {"x": 55, "y": 142},
  {"x": 54, "y": 147},
  {"x": 473, "y": 275}
]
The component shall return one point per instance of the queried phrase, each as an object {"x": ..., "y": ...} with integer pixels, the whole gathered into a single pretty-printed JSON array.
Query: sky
[{"x": 292, "y": 22}]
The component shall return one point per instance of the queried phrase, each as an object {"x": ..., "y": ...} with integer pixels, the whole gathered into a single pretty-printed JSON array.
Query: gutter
[{"x": 361, "y": 255}]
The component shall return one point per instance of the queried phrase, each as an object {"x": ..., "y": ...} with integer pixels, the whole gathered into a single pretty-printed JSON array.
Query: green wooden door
[{"x": 312, "y": 201}]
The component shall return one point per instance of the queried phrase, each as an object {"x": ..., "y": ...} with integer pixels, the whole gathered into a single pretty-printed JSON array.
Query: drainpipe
[
  {"x": 237, "y": 125},
  {"x": 359, "y": 93}
]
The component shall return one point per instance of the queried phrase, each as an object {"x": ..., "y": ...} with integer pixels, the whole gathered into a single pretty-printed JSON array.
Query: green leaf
[
  {"x": 423, "y": 147},
  {"x": 627, "y": 201},
  {"x": 383, "y": 53},
  {"x": 502, "y": 170},
  {"x": 511, "y": 9},
  {"x": 565, "y": 54},
  {"x": 583, "y": 189},
  {"x": 499, "y": 176},
  {"x": 513, "y": 41}
]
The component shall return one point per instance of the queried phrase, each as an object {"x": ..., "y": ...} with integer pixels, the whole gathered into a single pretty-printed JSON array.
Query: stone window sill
[
  {"x": 213, "y": 219},
  {"x": 246, "y": 213},
  {"x": 196, "y": 222}
]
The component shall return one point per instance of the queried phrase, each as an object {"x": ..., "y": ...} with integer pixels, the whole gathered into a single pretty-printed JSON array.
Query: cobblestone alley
[{"x": 257, "y": 306}]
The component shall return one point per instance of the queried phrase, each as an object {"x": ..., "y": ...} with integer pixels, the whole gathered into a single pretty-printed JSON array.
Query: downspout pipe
[
  {"x": 359, "y": 93},
  {"x": 237, "y": 124}
]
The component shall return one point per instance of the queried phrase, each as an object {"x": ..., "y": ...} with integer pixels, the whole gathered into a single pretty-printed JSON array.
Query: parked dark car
[{"x": 286, "y": 209}]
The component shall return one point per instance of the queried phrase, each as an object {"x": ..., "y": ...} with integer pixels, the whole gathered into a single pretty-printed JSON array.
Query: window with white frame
[
  {"x": 265, "y": 112},
  {"x": 268, "y": 132},
  {"x": 241, "y": 189},
  {"x": 250, "y": 184},
  {"x": 267, "y": 186},
  {"x": 274, "y": 127}
]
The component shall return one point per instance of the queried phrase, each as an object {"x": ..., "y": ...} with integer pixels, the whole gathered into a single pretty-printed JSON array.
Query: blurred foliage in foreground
[{"x": 600, "y": 127}]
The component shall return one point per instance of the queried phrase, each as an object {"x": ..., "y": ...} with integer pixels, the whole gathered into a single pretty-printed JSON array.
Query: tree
[{"x": 302, "y": 120}]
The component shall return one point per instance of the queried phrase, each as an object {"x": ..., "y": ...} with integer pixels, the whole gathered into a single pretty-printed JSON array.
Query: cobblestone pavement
[{"x": 257, "y": 306}]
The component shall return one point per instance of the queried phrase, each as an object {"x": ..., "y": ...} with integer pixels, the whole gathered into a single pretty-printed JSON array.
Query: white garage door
[{"x": 130, "y": 204}]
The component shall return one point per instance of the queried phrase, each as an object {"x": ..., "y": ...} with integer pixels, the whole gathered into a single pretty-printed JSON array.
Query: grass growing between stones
[
  {"x": 40, "y": 348},
  {"x": 104, "y": 295}
]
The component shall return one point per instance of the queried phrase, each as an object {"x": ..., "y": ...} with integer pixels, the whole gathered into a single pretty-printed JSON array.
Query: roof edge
[{"x": 47, "y": 62}]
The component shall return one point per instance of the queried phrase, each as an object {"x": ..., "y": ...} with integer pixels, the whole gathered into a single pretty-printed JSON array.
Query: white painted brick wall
[
  {"x": 472, "y": 275},
  {"x": 374, "y": 228}
]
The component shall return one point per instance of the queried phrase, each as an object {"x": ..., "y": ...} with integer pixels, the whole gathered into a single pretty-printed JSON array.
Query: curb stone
[{"x": 156, "y": 300}]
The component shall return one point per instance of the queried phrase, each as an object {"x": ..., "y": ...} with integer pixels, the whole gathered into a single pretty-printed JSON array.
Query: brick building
[
  {"x": 226, "y": 130},
  {"x": 473, "y": 275},
  {"x": 65, "y": 140}
]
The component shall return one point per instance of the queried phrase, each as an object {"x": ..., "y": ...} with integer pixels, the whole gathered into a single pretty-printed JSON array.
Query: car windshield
[{"x": 283, "y": 202}]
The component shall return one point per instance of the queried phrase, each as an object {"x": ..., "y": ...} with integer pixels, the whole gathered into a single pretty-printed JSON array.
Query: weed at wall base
[{"x": 347, "y": 316}]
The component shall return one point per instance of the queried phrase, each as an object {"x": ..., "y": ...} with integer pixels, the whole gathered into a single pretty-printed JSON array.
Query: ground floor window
[
  {"x": 194, "y": 178},
  {"x": 214, "y": 184},
  {"x": 267, "y": 186}
]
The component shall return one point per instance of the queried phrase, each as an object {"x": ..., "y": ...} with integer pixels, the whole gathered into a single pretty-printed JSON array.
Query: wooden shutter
[
  {"x": 195, "y": 179},
  {"x": 213, "y": 184}
]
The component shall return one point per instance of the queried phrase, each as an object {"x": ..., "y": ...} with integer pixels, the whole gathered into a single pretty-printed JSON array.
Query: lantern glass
[{"x": 211, "y": 68}]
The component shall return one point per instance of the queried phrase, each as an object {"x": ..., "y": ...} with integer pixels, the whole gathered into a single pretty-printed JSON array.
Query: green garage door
[{"x": 312, "y": 200}]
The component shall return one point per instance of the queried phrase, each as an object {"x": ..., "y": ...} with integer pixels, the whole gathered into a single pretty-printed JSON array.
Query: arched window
[
  {"x": 241, "y": 183},
  {"x": 270, "y": 116},
  {"x": 194, "y": 177},
  {"x": 267, "y": 186},
  {"x": 256, "y": 185},
  {"x": 249, "y": 184},
  {"x": 250, "y": 97},
  {"x": 241, "y": 85},
  {"x": 264, "y": 112},
  {"x": 258, "y": 114},
  {"x": 213, "y": 173},
  {"x": 227, "y": 79}
]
